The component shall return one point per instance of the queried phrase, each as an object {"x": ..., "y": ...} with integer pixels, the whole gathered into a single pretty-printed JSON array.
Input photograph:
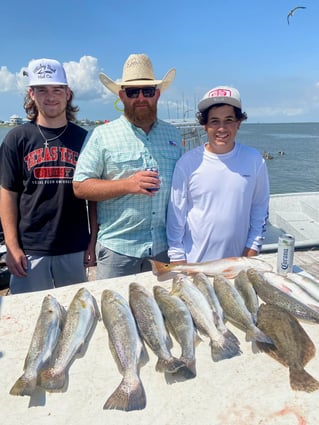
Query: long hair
[{"x": 32, "y": 110}]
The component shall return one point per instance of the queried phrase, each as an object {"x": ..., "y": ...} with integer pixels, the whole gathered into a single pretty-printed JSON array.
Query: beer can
[
  {"x": 155, "y": 169},
  {"x": 285, "y": 254}
]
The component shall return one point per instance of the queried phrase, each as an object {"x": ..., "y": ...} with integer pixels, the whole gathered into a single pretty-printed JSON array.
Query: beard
[{"x": 141, "y": 117}]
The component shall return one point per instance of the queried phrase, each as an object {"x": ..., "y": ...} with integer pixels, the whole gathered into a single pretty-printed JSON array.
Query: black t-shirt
[{"x": 52, "y": 220}]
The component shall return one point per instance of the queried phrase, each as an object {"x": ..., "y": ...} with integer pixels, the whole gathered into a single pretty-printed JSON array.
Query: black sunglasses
[{"x": 133, "y": 92}]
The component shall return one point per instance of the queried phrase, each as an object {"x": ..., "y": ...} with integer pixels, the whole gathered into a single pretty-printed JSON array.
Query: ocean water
[{"x": 297, "y": 170}]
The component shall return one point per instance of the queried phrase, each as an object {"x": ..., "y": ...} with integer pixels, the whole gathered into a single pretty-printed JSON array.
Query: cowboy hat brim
[{"x": 115, "y": 87}]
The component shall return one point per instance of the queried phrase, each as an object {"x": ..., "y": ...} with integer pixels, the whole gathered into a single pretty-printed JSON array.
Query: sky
[{"x": 245, "y": 44}]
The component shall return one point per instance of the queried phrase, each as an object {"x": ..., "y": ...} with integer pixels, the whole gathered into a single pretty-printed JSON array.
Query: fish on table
[
  {"x": 205, "y": 285},
  {"x": 291, "y": 346},
  {"x": 80, "y": 319},
  {"x": 221, "y": 346},
  {"x": 248, "y": 293},
  {"x": 236, "y": 311},
  {"x": 44, "y": 339},
  {"x": 272, "y": 295},
  {"x": 179, "y": 323},
  {"x": 228, "y": 267},
  {"x": 293, "y": 288},
  {"x": 151, "y": 326},
  {"x": 307, "y": 283},
  {"x": 127, "y": 350}
]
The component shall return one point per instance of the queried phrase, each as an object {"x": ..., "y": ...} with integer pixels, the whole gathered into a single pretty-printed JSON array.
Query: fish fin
[
  {"x": 52, "y": 380},
  {"x": 170, "y": 365},
  {"x": 229, "y": 335},
  {"x": 129, "y": 395},
  {"x": 301, "y": 380},
  {"x": 229, "y": 273},
  {"x": 24, "y": 386},
  {"x": 224, "y": 349},
  {"x": 159, "y": 268},
  {"x": 255, "y": 334},
  {"x": 188, "y": 371}
]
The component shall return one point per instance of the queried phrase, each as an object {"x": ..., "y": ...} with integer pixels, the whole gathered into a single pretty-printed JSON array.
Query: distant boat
[{"x": 267, "y": 155}]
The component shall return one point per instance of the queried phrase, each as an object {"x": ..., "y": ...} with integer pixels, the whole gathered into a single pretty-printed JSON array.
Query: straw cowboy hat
[{"x": 138, "y": 71}]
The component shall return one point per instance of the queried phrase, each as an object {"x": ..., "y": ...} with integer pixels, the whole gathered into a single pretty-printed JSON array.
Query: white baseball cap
[
  {"x": 221, "y": 94},
  {"x": 43, "y": 72}
]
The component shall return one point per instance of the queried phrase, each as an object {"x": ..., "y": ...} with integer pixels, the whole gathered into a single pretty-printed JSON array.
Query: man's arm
[
  {"x": 15, "y": 258},
  {"x": 100, "y": 190}
]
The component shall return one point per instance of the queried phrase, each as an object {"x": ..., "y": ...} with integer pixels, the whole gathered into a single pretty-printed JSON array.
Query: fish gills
[
  {"x": 180, "y": 323},
  {"x": 43, "y": 342},
  {"x": 126, "y": 348},
  {"x": 151, "y": 326},
  {"x": 271, "y": 295},
  {"x": 248, "y": 293},
  {"x": 80, "y": 318},
  {"x": 236, "y": 311},
  {"x": 292, "y": 347}
]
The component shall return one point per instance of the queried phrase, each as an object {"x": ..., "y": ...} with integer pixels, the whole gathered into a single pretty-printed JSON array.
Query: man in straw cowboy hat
[{"x": 127, "y": 167}]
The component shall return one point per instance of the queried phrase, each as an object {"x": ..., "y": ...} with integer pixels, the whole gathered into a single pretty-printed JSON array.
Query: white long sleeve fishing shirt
[{"x": 218, "y": 204}]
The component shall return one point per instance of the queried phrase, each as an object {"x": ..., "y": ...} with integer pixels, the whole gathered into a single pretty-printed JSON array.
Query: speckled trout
[
  {"x": 180, "y": 324},
  {"x": 269, "y": 294},
  {"x": 151, "y": 327},
  {"x": 248, "y": 293},
  {"x": 292, "y": 288},
  {"x": 228, "y": 267},
  {"x": 80, "y": 318},
  {"x": 204, "y": 284},
  {"x": 126, "y": 348},
  {"x": 43, "y": 342},
  {"x": 236, "y": 311},
  {"x": 221, "y": 347}
]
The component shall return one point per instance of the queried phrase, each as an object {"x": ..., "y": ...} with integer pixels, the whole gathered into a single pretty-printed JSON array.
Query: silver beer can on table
[{"x": 285, "y": 254}]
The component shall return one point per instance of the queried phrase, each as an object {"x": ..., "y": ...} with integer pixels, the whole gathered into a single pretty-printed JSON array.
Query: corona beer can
[{"x": 285, "y": 254}]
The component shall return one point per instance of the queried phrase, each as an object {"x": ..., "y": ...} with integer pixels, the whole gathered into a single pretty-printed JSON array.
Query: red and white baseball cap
[{"x": 221, "y": 94}]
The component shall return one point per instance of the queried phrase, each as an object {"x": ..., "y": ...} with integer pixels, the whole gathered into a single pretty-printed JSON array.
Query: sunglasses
[{"x": 133, "y": 92}]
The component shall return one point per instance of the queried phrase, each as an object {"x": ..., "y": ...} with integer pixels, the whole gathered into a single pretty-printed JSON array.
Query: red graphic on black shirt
[{"x": 53, "y": 173}]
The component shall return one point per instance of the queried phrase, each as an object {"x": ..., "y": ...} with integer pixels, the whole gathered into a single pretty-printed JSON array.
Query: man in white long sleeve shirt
[{"x": 220, "y": 191}]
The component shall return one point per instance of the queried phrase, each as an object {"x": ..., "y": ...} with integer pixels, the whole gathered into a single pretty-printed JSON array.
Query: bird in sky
[{"x": 293, "y": 11}]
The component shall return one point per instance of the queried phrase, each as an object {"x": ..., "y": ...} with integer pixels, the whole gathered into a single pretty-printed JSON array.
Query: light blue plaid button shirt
[{"x": 133, "y": 225}]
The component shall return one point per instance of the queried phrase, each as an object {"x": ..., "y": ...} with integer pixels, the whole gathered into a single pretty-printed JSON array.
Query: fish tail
[
  {"x": 51, "y": 379},
  {"x": 300, "y": 380},
  {"x": 159, "y": 268},
  {"x": 171, "y": 365},
  {"x": 229, "y": 335},
  {"x": 224, "y": 348},
  {"x": 255, "y": 334},
  {"x": 129, "y": 395},
  {"x": 189, "y": 368},
  {"x": 24, "y": 386}
]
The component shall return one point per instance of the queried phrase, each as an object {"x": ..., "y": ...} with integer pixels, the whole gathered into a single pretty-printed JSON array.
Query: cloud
[
  {"x": 83, "y": 78},
  {"x": 8, "y": 81}
]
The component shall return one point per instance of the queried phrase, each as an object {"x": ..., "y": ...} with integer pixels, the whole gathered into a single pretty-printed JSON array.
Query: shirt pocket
[{"x": 124, "y": 164}]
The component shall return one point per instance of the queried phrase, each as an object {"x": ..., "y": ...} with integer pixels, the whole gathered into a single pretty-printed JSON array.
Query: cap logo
[
  {"x": 44, "y": 71},
  {"x": 219, "y": 93}
]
